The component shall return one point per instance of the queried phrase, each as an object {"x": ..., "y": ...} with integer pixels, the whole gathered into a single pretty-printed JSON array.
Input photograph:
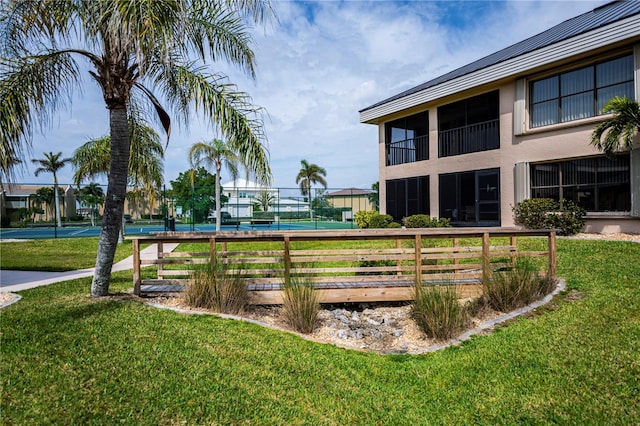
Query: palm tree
[
  {"x": 374, "y": 195},
  {"x": 215, "y": 153},
  {"x": 131, "y": 47},
  {"x": 617, "y": 133},
  {"x": 38, "y": 198},
  {"x": 308, "y": 175},
  {"x": 51, "y": 163},
  {"x": 92, "y": 196},
  {"x": 8, "y": 163}
]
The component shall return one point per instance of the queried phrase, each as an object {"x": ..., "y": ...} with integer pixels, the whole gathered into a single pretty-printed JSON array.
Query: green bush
[
  {"x": 380, "y": 221},
  {"x": 425, "y": 221},
  {"x": 301, "y": 304},
  {"x": 218, "y": 288},
  {"x": 437, "y": 311},
  {"x": 373, "y": 219},
  {"x": 509, "y": 290},
  {"x": 363, "y": 217},
  {"x": 546, "y": 213}
]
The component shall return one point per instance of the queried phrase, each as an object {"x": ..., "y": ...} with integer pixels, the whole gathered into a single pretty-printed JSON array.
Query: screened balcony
[
  {"x": 407, "y": 139},
  {"x": 472, "y": 138},
  {"x": 408, "y": 150},
  {"x": 469, "y": 125}
]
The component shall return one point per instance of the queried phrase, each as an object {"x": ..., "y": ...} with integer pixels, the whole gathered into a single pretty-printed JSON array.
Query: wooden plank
[
  {"x": 159, "y": 257},
  {"x": 287, "y": 259}
]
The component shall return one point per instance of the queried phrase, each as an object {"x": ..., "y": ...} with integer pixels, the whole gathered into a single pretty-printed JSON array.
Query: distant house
[
  {"x": 351, "y": 198},
  {"x": 243, "y": 195},
  {"x": 470, "y": 144},
  {"x": 16, "y": 198}
]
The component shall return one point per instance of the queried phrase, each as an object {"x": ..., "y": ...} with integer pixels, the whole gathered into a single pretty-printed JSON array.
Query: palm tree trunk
[
  {"x": 218, "y": 215},
  {"x": 114, "y": 200},
  {"x": 57, "y": 201}
]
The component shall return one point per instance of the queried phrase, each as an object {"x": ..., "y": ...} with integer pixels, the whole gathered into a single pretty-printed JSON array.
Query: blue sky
[{"x": 322, "y": 63}]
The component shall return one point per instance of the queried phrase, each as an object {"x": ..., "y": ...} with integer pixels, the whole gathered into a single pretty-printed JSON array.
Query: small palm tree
[
  {"x": 215, "y": 153},
  {"x": 51, "y": 163},
  {"x": 374, "y": 195},
  {"x": 617, "y": 133},
  {"x": 308, "y": 175},
  {"x": 92, "y": 196},
  {"x": 38, "y": 198}
]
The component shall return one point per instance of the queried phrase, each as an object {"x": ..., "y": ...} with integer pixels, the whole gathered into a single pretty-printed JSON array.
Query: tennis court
[{"x": 40, "y": 232}]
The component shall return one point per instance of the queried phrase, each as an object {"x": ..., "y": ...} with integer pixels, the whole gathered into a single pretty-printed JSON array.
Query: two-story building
[{"x": 517, "y": 124}]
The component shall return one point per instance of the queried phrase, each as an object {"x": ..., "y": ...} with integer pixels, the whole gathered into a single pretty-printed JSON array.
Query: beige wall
[
  {"x": 356, "y": 202},
  {"x": 562, "y": 141}
]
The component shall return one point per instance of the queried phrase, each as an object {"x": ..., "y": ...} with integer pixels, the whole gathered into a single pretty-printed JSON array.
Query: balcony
[
  {"x": 408, "y": 150},
  {"x": 472, "y": 138}
]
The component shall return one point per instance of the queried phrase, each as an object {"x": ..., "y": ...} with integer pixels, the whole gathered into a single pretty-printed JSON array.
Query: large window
[
  {"x": 596, "y": 184},
  {"x": 406, "y": 197},
  {"x": 580, "y": 93},
  {"x": 470, "y": 125},
  {"x": 407, "y": 139},
  {"x": 471, "y": 198}
]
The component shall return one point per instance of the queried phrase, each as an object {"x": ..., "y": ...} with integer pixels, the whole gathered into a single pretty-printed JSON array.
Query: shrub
[
  {"x": 509, "y": 290},
  {"x": 437, "y": 311},
  {"x": 218, "y": 288},
  {"x": 363, "y": 217},
  {"x": 546, "y": 213},
  {"x": 380, "y": 221},
  {"x": 301, "y": 303},
  {"x": 425, "y": 221}
]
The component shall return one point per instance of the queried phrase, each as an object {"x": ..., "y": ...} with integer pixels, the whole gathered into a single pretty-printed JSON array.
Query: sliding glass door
[{"x": 471, "y": 198}]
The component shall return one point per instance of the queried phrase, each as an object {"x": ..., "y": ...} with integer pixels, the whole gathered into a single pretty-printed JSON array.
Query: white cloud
[{"x": 323, "y": 62}]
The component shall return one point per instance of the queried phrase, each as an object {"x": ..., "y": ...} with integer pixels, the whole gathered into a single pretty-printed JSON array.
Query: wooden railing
[{"x": 365, "y": 265}]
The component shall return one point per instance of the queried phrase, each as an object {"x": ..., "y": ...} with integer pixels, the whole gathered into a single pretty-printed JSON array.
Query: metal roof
[{"x": 598, "y": 17}]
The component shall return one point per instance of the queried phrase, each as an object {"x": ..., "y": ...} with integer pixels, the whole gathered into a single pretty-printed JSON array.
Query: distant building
[
  {"x": 243, "y": 196},
  {"x": 17, "y": 198},
  {"x": 517, "y": 124},
  {"x": 351, "y": 198}
]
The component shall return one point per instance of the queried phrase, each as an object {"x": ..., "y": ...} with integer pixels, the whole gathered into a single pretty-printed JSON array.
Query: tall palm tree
[
  {"x": 309, "y": 175},
  {"x": 617, "y": 133},
  {"x": 131, "y": 47},
  {"x": 215, "y": 153},
  {"x": 51, "y": 163}
]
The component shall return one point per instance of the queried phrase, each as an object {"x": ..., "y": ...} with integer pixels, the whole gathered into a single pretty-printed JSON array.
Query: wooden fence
[{"x": 346, "y": 266}]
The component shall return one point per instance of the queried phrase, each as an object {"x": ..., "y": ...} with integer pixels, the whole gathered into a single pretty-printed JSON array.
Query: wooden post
[
  {"x": 287, "y": 260},
  {"x": 486, "y": 264},
  {"x": 136, "y": 267},
  {"x": 418, "y": 259},
  {"x": 513, "y": 251},
  {"x": 552, "y": 254},
  {"x": 160, "y": 256},
  {"x": 456, "y": 259},
  {"x": 399, "y": 261},
  {"x": 212, "y": 250}
]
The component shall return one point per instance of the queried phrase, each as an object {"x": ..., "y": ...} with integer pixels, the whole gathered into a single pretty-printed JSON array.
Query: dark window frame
[
  {"x": 559, "y": 96},
  {"x": 576, "y": 179}
]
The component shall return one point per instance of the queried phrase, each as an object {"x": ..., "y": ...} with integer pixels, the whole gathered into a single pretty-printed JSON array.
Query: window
[
  {"x": 406, "y": 197},
  {"x": 470, "y": 125},
  {"x": 407, "y": 139},
  {"x": 595, "y": 184},
  {"x": 580, "y": 93}
]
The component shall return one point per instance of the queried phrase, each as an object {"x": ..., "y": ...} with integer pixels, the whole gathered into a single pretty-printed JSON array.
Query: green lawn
[
  {"x": 71, "y": 359},
  {"x": 62, "y": 254}
]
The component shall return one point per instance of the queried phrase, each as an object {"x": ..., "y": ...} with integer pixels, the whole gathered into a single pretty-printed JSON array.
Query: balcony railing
[
  {"x": 473, "y": 138},
  {"x": 408, "y": 150}
]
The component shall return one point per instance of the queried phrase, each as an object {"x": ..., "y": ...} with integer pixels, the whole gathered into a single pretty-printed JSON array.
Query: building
[
  {"x": 17, "y": 199},
  {"x": 470, "y": 144},
  {"x": 352, "y": 198},
  {"x": 244, "y": 195}
]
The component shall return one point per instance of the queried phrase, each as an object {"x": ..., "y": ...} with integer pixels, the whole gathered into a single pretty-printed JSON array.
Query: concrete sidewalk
[{"x": 11, "y": 281}]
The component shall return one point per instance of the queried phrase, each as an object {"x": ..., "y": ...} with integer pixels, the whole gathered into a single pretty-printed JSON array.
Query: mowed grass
[
  {"x": 71, "y": 359},
  {"x": 62, "y": 254}
]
